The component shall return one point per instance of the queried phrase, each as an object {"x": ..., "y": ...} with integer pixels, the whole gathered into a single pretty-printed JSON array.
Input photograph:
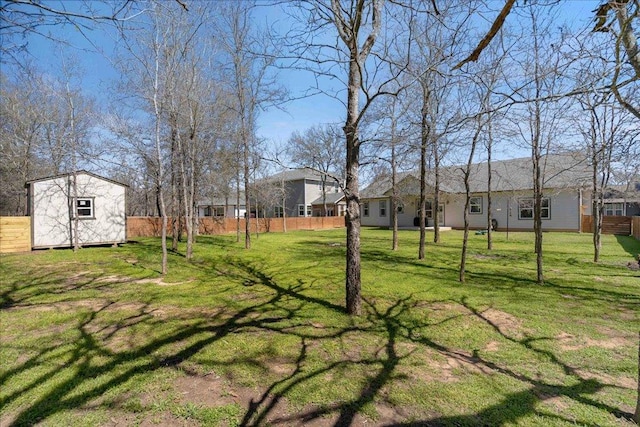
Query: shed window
[
  {"x": 475, "y": 205},
  {"x": 84, "y": 208}
]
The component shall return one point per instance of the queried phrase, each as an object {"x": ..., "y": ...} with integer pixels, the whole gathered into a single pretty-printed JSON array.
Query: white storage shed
[{"x": 96, "y": 202}]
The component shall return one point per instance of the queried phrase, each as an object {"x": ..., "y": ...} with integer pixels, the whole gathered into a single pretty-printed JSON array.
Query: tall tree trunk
[
  {"x": 636, "y": 415},
  {"x": 424, "y": 138},
  {"x": 467, "y": 202},
  {"x": 247, "y": 201},
  {"x": 238, "y": 205},
  {"x": 596, "y": 208},
  {"x": 352, "y": 191},
  {"x": 348, "y": 30},
  {"x": 175, "y": 202},
  {"x": 436, "y": 193},
  {"x": 537, "y": 204},
  {"x": 489, "y": 195},
  {"x": 394, "y": 190}
]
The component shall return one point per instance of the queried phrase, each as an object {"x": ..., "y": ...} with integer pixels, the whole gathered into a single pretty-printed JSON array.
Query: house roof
[
  {"x": 296, "y": 175},
  {"x": 80, "y": 172},
  {"x": 330, "y": 198},
  {"x": 380, "y": 186},
  {"x": 220, "y": 201},
  {"x": 559, "y": 171},
  {"x": 632, "y": 191}
]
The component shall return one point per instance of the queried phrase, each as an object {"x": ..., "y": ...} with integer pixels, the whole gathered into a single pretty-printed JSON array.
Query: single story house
[
  {"x": 566, "y": 195},
  {"x": 334, "y": 202},
  {"x": 56, "y": 202},
  {"x": 622, "y": 200}
]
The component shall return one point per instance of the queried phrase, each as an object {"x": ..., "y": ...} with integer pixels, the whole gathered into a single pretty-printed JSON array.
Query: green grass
[{"x": 260, "y": 337}]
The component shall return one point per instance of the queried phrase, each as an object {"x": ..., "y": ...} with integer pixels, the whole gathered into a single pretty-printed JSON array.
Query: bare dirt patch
[
  {"x": 505, "y": 322},
  {"x": 449, "y": 368},
  {"x": 208, "y": 390},
  {"x": 492, "y": 346},
  {"x": 570, "y": 342}
]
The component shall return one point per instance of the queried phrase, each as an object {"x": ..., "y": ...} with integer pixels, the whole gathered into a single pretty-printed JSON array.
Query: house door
[{"x": 429, "y": 212}]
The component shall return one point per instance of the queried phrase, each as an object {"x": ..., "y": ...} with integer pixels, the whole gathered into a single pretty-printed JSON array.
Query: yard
[{"x": 260, "y": 337}]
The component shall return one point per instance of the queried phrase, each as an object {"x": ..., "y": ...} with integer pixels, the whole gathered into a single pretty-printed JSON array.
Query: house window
[
  {"x": 84, "y": 208},
  {"x": 207, "y": 211},
  {"x": 300, "y": 210},
  {"x": 218, "y": 211},
  {"x": 383, "y": 208},
  {"x": 309, "y": 210},
  {"x": 525, "y": 208},
  {"x": 365, "y": 209},
  {"x": 475, "y": 205},
  {"x": 279, "y": 212},
  {"x": 614, "y": 209}
]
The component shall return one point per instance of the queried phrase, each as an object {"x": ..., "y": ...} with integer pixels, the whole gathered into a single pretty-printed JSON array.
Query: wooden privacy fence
[
  {"x": 138, "y": 226},
  {"x": 620, "y": 225},
  {"x": 15, "y": 234},
  {"x": 635, "y": 227}
]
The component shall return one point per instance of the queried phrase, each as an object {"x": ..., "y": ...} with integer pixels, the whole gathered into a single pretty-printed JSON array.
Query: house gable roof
[
  {"x": 80, "y": 172},
  {"x": 559, "y": 171},
  {"x": 330, "y": 199}
]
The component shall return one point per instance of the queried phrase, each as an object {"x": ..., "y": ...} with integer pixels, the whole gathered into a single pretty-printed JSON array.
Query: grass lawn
[{"x": 260, "y": 337}]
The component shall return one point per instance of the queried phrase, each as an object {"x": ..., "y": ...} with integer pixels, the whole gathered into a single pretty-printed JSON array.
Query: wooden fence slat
[
  {"x": 151, "y": 226},
  {"x": 620, "y": 225},
  {"x": 15, "y": 234}
]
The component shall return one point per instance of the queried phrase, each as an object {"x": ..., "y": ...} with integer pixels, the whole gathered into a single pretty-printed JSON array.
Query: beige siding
[
  {"x": 565, "y": 211},
  {"x": 374, "y": 219},
  {"x": 566, "y": 206}
]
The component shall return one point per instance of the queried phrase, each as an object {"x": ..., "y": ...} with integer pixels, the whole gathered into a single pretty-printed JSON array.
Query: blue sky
[
  {"x": 94, "y": 58},
  {"x": 274, "y": 125}
]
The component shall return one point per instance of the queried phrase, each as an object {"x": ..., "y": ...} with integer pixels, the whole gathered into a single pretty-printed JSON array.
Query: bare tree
[
  {"x": 392, "y": 146},
  {"x": 606, "y": 132},
  {"x": 627, "y": 53},
  {"x": 540, "y": 73},
  {"x": 346, "y": 58},
  {"x": 349, "y": 20},
  {"x": 479, "y": 124},
  {"x": 253, "y": 84},
  {"x": 319, "y": 148},
  {"x": 146, "y": 69},
  {"x": 46, "y": 126},
  {"x": 437, "y": 39},
  {"x": 21, "y": 128}
]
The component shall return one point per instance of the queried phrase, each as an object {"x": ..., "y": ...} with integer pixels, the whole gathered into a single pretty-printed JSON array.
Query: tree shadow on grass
[
  {"x": 97, "y": 369},
  {"x": 630, "y": 245}
]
